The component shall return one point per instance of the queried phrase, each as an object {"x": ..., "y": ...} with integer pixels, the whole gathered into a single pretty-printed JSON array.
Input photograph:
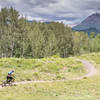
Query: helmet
[{"x": 12, "y": 71}]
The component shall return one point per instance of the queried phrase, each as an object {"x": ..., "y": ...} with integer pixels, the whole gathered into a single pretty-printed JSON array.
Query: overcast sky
[{"x": 71, "y": 12}]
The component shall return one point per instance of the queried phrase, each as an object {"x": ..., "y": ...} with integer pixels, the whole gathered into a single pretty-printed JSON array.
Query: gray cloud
[
  {"x": 40, "y": 3},
  {"x": 69, "y": 11}
]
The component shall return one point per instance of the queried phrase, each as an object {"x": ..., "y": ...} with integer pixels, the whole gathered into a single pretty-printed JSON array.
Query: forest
[{"x": 22, "y": 38}]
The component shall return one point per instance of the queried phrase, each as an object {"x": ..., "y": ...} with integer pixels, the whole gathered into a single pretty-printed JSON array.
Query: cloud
[{"x": 68, "y": 11}]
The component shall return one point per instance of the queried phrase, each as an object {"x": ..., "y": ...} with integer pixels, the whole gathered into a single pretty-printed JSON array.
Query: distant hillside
[
  {"x": 90, "y": 24},
  {"x": 89, "y": 30},
  {"x": 30, "y": 21}
]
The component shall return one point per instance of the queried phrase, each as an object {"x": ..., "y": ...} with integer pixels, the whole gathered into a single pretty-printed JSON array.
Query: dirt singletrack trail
[{"x": 89, "y": 67}]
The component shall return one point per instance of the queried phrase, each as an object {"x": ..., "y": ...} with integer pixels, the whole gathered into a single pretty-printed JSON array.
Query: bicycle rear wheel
[{"x": 4, "y": 83}]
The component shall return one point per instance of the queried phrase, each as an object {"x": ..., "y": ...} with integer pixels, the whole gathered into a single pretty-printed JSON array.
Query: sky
[{"x": 70, "y": 12}]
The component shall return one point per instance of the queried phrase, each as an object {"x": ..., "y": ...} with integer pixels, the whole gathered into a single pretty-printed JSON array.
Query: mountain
[
  {"x": 90, "y": 24},
  {"x": 30, "y": 21}
]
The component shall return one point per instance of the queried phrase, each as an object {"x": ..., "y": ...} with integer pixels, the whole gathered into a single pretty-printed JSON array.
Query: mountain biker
[{"x": 10, "y": 76}]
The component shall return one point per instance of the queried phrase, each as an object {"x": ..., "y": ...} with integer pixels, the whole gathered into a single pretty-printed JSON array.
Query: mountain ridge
[{"x": 90, "y": 24}]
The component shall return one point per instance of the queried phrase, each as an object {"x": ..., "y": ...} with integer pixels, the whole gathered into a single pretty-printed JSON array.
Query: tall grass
[
  {"x": 51, "y": 68},
  {"x": 48, "y": 69}
]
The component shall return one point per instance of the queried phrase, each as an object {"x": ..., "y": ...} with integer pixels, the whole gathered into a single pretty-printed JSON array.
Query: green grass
[
  {"x": 93, "y": 58},
  {"x": 52, "y": 68},
  {"x": 86, "y": 89}
]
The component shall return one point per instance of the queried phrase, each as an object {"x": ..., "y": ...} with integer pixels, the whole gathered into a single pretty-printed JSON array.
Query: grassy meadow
[
  {"x": 52, "y": 68},
  {"x": 86, "y": 89}
]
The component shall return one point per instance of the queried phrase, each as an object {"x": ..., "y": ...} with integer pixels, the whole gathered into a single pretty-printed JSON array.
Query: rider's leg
[{"x": 9, "y": 79}]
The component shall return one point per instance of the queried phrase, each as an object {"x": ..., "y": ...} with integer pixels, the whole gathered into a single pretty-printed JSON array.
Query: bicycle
[{"x": 7, "y": 83}]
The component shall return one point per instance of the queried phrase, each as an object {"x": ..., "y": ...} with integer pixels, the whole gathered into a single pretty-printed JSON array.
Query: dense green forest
[{"x": 21, "y": 38}]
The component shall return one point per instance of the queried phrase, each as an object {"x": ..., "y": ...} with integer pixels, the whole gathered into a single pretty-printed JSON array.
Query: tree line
[{"x": 21, "y": 38}]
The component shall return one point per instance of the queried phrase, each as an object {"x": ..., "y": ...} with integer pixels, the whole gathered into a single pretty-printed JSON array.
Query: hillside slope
[{"x": 90, "y": 24}]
